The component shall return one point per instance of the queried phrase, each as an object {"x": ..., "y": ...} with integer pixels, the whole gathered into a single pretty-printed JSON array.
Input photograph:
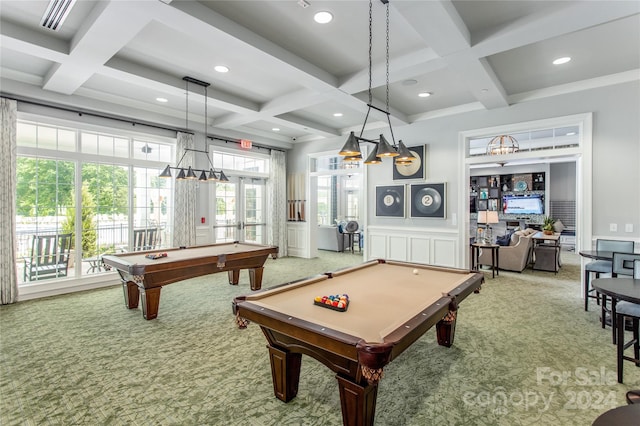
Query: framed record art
[
  {"x": 428, "y": 200},
  {"x": 390, "y": 201},
  {"x": 413, "y": 170}
]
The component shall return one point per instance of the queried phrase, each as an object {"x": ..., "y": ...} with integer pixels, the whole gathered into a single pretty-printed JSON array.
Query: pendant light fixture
[
  {"x": 191, "y": 173},
  {"x": 351, "y": 148},
  {"x": 503, "y": 144}
]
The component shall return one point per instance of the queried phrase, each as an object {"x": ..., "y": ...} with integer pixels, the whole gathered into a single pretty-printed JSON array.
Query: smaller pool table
[
  {"x": 391, "y": 305},
  {"x": 143, "y": 278}
]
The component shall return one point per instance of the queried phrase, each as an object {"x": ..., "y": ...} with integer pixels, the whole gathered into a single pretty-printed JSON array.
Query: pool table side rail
[
  {"x": 348, "y": 269},
  {"x": 122, "y": 263},
  {"x": 313, "y": 334}
]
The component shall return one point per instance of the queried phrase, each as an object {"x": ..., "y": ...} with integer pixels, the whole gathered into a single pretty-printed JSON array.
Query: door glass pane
[
  {"x": 150, "y": 210},
  {"x": 254, "y": 222},
  {"x": 226, "y": 212}
]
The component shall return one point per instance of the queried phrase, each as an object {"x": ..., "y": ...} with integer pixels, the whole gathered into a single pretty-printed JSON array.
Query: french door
[{"x": 240, "y": 206}]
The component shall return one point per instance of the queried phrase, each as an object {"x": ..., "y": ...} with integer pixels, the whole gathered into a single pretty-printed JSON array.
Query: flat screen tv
[{"x": 531, "y": 204}]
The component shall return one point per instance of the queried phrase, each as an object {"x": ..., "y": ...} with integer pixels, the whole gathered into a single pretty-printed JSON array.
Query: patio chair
[
  {"x": 145, "y": 239},
  {"x": 49, "y": 257}
]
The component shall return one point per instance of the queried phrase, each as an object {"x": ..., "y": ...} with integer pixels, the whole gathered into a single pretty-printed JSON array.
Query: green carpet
[{"x": 525, "y": 353}]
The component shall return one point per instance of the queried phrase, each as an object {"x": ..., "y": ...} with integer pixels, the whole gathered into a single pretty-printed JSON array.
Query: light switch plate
[
  {"x": 628, "y": 227},
  {"x": 613, "y": 227}
]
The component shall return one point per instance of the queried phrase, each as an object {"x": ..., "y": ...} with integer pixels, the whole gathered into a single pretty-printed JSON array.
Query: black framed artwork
[
  {"x": 390, "y": 201},
  {"x": 413, "y": 170},
  {"x": 429, "y": 200}
]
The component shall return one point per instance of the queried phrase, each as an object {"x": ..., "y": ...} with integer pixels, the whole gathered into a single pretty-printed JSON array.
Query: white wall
[{"x": 616, "y": 154}]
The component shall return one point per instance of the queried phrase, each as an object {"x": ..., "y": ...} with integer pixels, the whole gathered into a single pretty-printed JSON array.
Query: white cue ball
[
  {"x": 415, "y": 272},
  {"x": 235, "y": 244}
]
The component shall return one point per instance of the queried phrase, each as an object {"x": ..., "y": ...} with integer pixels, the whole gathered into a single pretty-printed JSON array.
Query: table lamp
[{"x": 486, "y": 217}]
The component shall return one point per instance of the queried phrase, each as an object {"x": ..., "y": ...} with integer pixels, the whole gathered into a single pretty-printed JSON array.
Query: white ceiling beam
[
  {"x": 32, "y": 43},
  {"x": 96, "y": 42}
]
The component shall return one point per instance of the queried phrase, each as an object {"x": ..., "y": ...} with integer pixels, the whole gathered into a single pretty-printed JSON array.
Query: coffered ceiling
[{"x": 288, "y": 72}]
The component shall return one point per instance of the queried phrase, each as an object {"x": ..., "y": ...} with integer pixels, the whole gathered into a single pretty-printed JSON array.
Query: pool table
[
  {"x": 143, "y": 278},
  {"x": 391, "y": 305}
]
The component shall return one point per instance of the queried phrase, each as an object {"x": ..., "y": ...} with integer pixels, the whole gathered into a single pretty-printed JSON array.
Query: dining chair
[
  {"x": 622, "y": 264},
  {"x": 602, "y": 266},
  {"x": 630, "y": 310}
]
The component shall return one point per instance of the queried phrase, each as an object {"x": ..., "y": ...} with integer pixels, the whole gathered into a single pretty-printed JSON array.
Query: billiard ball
[
  {"x": 235, "y": 244},
  {"x": 415, "y": 272}
]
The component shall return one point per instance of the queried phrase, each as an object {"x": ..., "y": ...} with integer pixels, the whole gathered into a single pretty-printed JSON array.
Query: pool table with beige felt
[
  {"x": 391, "y": 305},
  {"x": 143, "y": 278}
]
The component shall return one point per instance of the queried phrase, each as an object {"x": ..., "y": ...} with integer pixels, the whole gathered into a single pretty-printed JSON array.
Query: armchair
[{"x": 515, "y": 256}]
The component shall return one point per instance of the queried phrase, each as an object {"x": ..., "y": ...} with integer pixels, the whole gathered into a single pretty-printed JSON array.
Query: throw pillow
[
  {"x": 558, "y": 226},
  {"x": 504, "y": 240}
]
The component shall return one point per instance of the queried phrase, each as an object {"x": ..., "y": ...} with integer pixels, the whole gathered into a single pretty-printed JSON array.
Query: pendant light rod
[{"x": 351, "y": 148}]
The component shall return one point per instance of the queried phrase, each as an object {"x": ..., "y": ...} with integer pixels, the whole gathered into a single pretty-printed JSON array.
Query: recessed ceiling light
[
  {"x": 337, "y": 114},
  {"x": 562, "y": 60},
  {"x": 424, "y": 94},
  {"x": 163, "y": 100},
  {"x": 221, "y": 68},
  {"x": 276, "y": 129},
  {"x": 323, "y": 17}
]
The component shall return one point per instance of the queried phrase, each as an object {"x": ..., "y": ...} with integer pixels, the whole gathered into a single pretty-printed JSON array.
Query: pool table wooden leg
[
  {"x": 234, "y": 276},
  {"x": 285, "y": 372},
  {"x": 446, "y": 329},
  {"x": 150, "y": 302},
  {"x": 255, "y": 278},
  {"x": 358, "y": 402},
  {"x": 131, "y": 294}
]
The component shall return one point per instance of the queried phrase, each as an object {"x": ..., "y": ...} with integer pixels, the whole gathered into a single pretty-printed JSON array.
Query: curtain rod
[{"x": 124, "y": 120}]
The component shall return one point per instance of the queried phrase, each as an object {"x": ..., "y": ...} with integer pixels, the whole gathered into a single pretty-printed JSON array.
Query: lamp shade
[
  {"x": 372, "y": 158},
  {"x": 166, "y": 173},
  {"x": 492, "y": 217},
  {"x": 203, "y": 176},
  {"x": 404, "y": 155},
  {"x": 212, "y": 175},
  {"x": 181, "y": 175},
  {"x": 351, "y": 146},
  {"x": 190, "y": 174},
  {"x": 223, "y": 177},
  {"x": 482, "y": 216},
  {"x": 385, "y": 149}
]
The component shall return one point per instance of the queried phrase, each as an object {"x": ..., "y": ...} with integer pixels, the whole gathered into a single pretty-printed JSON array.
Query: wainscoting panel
[
  {"x": 434, "y": 246},
  {"x": 397, "y": 248},
  {"x": 297, "y": 241},
  {"x": 419, "y": 249},
  {"x": 444, "y": 252},
  {"x": 377, "y": 246}
]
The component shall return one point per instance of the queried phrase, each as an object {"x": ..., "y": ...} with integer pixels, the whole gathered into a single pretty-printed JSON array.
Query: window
[
  {"x": 90, "y": 184},
  {"x": 338, "y": 189}
]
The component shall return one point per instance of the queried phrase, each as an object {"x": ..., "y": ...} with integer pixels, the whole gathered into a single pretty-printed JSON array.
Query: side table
[{"x": 495, "y": 257}]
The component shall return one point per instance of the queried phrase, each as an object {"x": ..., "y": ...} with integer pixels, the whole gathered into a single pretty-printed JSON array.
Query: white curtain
[
  {"x": 277, "y": 202},
  {"x": 8, "y": 273},
  {"x": 184, "y": 212}
]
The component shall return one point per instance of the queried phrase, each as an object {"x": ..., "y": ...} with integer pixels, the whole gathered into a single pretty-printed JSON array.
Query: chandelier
[
  {"x": 503, "y": 144},
  {"x": 351, "y": 149},
  {"x": 191, "y": 173}
]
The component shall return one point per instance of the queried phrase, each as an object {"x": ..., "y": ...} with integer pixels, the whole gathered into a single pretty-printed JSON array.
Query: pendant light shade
[
  {"x": 385, "y": 149},
  {"x": 181, "y": 175},
  {"x": 190, "y": 174},
  {"x": 351, "y": 147},
  {"x": 404, "y": 154},
  {"x": 166, "y": 173},
  {"x": 223, "y": 177},
  {"x": 372, "y": 158}
]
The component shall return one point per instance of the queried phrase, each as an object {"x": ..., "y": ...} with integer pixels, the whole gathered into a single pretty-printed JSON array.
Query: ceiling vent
[{"x": 57, "y": 11}]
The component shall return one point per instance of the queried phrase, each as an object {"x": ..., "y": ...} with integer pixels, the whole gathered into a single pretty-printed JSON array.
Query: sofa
[{"x": 514, "y": 257}]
